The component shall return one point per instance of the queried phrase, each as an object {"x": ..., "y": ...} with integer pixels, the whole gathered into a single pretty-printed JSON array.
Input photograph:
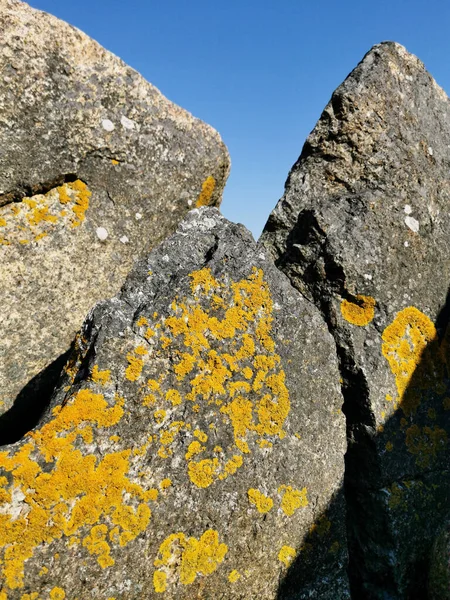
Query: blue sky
[{"x": 260, "y": 72}]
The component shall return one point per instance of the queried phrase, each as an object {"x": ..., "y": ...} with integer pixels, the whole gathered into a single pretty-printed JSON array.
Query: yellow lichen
[
  {"x": 101, "y": 377},
  {"x": 360, "y": 312},
  {"x": 194, "y": 557},
  {"x": 76, "y": 490},
  {"x": 165, "y": 483},
  {"x": 202, "y": 473},
  {"x": 292, "y": 499},
  {"x": 404, "y": 343},
  {"x": 57, "y": 593},
  {"x": 234, "y": 576},
  {"x": 263, "y": 503},
  {"x": 159, "y": 581},
  {"x": 286, "y": 555},
  {"x": 135, "y": 366},
  {"x": 208, "y": 186},
  {"x": 225, "y": 352}
]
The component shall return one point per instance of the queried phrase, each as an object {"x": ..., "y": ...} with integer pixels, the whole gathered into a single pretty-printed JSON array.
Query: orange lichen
[
  {"x": 286, "y": 555},
  {"x": 74, "y": 492},
  {"x": 101, "y": 377},
  {"x": 202, "y": 473},
  {"x": 225, "y": 353},
  {"x": 263, "y": 503},
  {"x": 404, "y": 343},
  {"x": 38, "y": 216},
  {"x": 292, "y": 499},
  {"x": 194, "y": 557},
  {"x": 208, "y": 186},
  {"x": 135, "y": 366},
  {"x": 360, "y": 312}
]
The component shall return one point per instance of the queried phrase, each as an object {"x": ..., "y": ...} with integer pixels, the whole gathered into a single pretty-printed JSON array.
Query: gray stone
[
  {"x": 96, "y": 166},
  {"x": 363, "y": 231},
  {"x": 194, "y": 447}
]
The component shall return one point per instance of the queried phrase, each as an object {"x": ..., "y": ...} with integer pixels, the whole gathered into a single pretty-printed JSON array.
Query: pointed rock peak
[{"x": 363, "y": 231}]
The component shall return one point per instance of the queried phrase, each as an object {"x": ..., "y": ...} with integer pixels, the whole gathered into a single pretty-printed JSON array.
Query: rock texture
[
  {"x": 439, "y": 576},
  {"x": 363, "y": 231},
  {"x": 194, "y": 447},
  {"x": 95, "y": 167}
]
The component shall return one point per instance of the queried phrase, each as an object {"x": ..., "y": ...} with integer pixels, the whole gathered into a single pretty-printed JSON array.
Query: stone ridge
[
  {"x": 195, "y": 445},
  {"x": 362, "y": 230},
  {"x": 73, "y": 114}
]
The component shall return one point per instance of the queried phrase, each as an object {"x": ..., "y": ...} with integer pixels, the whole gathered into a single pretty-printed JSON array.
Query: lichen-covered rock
[
  {"x": 363, "y": 231},
  {"x": 193, "y": 448},
  {"x": 95, "y": 167},
  {"x": 439, "y": 575}
]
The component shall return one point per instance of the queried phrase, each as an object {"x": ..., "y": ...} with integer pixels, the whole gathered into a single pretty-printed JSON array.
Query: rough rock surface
[
  {"x": 439, "y": 575},
  {"x": 95, "y": 167},
  {"x": 194, "y": 444},
  {"x": 363, "y": 230}
]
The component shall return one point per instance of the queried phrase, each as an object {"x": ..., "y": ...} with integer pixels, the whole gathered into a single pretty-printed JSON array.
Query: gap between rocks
[
  {"x": 322, "y": 277},
  {"x": 26, "y": 191}
]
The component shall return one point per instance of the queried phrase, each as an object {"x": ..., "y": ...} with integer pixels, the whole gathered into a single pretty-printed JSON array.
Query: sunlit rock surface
[
  {"x": 96, "y": 166},
  {"x": 195, "y": 445},
  {"x": 363, "y": 230}
]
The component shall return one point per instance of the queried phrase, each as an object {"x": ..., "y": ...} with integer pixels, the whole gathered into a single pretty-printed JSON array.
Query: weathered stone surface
[
  {"x": 439, "y": 576},
  {"x": 194, "y": 443},
  {"x": 363, "y": 230},
  {"x": 88, "y": 149}
]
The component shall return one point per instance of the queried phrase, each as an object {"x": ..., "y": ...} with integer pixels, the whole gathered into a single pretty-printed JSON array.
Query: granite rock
[
  {"x": 193, "y": 444},
  {"x": 96, "y": 166},
  {"x": 363, "y": 232}
]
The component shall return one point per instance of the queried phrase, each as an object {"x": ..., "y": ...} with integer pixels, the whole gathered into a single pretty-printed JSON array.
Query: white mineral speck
[
  {"x": 138, "y": 216},
  {"x": 102, "y": 234},
  {"x": 367, "y": 276},
  {"x": 107, "y": 125},
  {"x": 124, "y": 239},
  {"x": 412, "y": 223},
  {"x": 127, "y": 123},
  {"x": 406, "y": 244},
  {"x": 430, "y": 150},
  {"x": 407, "y": 209},
  {"x": 189, "y": 202}
]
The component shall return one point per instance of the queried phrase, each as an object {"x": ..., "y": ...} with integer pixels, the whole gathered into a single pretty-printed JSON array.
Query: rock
[
  {"x": 194, "y": 447},
  {"x": 96, "y": 166},
  {"x": 363, "y": 231},
  {"x": 439, "y": 576}
]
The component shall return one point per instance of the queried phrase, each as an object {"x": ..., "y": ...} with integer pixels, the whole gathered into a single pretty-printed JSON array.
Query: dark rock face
[
  {"x": 363, "y": 231},
  {"x": 439, "y": 576},
  {"x": 194, "y": 447},
  {"x": 96, "y": 166}
]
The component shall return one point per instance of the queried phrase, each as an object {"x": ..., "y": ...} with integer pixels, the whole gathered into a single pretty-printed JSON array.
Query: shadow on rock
[
  {"x": 31, "y": 402},
  {"x": 397, "y": 479}
]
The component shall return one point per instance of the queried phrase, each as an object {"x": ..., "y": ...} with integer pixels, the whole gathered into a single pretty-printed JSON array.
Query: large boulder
[
  {"x": 96, "y": 166},
  {"x": 363, "y": 231},
  {"x": 194, "y": 447}
]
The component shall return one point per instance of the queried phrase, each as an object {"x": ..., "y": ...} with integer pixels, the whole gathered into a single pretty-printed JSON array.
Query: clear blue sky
[{"x": 260, "y": 72}]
